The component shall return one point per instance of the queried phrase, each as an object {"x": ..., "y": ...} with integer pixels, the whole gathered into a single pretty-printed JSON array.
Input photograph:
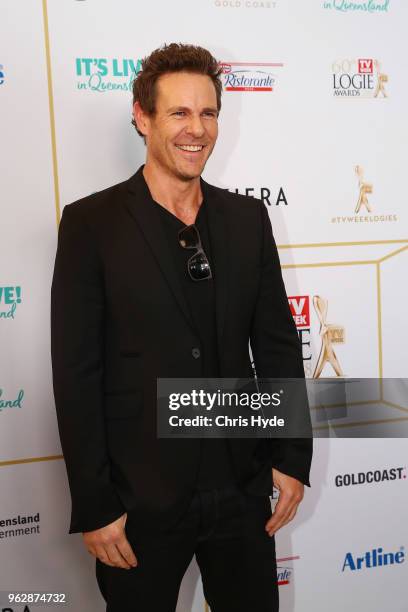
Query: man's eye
[
  {"x": 179, "y": 113},
  {"x": 209, "y": 114}
]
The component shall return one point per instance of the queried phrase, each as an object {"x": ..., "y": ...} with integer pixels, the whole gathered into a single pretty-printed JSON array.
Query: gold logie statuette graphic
[
  {"x": 330, "y": 334},
  {"x": 381, "y": 79},
  {"x": 364, "y": 189}
]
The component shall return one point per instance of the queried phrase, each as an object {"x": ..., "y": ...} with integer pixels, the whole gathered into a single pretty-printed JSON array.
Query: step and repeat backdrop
[{"x": 314, "y": 123}]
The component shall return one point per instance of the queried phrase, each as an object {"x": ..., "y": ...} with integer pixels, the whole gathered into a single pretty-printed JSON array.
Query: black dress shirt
[{"x": 215, "y": 467}]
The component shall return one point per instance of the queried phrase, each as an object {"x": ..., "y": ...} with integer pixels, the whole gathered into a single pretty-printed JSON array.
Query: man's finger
[
  {"x": 277, "y": 518},
  {"x": 102, "y": 555},
  {"x": 115, "y": 556},
  {"x": 289, "y": 518},
  {"x": 126, "y": 551},
  {"x": 277, "y": 522}
]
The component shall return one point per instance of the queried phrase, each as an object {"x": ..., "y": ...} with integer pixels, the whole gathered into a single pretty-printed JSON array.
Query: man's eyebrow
[
  {"x": 177, "y": 108},
  {"x": 207, "y": 109}
]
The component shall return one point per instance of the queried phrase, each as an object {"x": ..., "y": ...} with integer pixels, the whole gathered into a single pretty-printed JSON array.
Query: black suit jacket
[{"x": 120, "y": 320}]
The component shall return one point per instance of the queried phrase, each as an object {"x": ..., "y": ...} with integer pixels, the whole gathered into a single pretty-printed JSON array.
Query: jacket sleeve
[
  {"x": 277, "y": 351},
  {"x": 77, "y": 314}
]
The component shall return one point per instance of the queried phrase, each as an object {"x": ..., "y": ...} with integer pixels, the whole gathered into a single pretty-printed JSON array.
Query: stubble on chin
[{"x": 189, "y": 175}]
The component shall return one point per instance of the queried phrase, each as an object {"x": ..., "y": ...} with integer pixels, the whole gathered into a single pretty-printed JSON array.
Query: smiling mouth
[{"x": 190, "y": 148}]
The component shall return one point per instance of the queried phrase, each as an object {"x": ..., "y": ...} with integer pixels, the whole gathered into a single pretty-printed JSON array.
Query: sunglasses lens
[
  {"x": 188, "y": 237},
  {"x": 199, "y": 267}
]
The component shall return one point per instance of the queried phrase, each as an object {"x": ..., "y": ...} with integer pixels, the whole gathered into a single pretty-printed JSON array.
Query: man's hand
[
  {"x": 110, "y": 544},
  {"x": 290, "y": 495}
]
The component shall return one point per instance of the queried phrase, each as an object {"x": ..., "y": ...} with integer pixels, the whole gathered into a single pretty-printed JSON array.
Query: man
[{"x": 131, "y": 304}]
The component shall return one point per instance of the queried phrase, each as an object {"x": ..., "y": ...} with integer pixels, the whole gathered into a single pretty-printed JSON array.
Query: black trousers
[{"x": 225, "y": 529}]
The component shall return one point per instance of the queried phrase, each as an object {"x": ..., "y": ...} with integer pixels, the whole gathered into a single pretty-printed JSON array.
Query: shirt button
[{"x": 196, "y": 353}]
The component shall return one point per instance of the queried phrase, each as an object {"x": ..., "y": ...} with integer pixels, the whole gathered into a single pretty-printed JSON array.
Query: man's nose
[{"x": 195, "y": 126}]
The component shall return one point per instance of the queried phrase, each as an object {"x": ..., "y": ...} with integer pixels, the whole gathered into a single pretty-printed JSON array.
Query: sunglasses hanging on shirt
[{"x": 198, "y": 265}]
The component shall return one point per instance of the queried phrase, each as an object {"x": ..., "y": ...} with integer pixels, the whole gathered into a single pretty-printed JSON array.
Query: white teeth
[{"x": 192, "y": 148}]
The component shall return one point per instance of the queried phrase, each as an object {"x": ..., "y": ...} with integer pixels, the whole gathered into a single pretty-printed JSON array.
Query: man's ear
[{"x": 141, "y": 119}]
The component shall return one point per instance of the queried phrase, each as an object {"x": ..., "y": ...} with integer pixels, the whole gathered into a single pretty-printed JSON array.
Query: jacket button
[{"x": 196, "y": 353}]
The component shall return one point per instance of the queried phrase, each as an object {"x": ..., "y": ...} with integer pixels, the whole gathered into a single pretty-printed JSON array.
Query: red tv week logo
[
  {"x": 299, "y": 307},
  {"x": 365, "y": 66}
]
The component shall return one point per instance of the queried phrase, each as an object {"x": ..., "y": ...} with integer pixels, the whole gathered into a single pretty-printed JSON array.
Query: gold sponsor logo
[
  {"x": 330, "y": 334},
  {"x": 364, "y": 204}
]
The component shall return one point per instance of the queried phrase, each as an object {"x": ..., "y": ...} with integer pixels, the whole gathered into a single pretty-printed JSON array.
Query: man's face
[{"x": 182, "y": 133}]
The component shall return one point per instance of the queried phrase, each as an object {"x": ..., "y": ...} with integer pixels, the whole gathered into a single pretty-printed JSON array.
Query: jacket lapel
[
  {"x": 220, "y": 249},
  {"x": 144, "y": 210}
]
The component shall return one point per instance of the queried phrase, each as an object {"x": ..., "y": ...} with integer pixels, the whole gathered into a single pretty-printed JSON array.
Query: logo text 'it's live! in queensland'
[
  {"x": 10, "y": 298},
  {"x": 103, "y": 74},
  {"x": 367, "y": 6}
]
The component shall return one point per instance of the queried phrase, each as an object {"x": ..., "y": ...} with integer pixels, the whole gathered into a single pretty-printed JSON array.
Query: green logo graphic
[
  {"x": 9, "y": 298},
  {"x": 103, "y": 74},
  {"x": 11, "y": 403}
]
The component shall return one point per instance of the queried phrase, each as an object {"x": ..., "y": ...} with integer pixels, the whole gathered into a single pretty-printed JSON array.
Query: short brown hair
[{"x": 174, "y": 57}]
